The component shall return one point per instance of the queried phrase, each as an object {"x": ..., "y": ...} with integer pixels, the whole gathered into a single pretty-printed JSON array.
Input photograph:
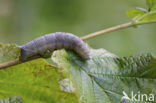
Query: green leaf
[
  {"x": 151, "y": 4},
  {"x": 15, "y": 99},
  {"x": 34, "y": 82},
  {"x": 106, "y": 78},
  {"x": 141, "y": 15},
  {"x": 135, "y": 13}
]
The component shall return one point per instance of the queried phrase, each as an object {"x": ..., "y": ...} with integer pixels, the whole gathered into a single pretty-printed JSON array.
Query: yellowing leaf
[{"x": 35, "y": 81}]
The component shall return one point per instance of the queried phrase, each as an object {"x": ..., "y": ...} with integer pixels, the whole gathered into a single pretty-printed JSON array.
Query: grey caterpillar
[{"x": 45, "y": 45}]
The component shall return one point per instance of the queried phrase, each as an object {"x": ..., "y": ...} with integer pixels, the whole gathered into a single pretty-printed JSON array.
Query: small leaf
[
  {"x": 151, "y": 4},
  {"x": 141, "y": 15},
  {"x": 135, "y": 12}
]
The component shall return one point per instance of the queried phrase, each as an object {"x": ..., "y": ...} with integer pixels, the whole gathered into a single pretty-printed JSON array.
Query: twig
[
  {"x": 118, "y": 27},
  {"x": 15, "y": 62},
  {"x": 122, "y": 26},
  {"x": 10, "y": 63}
]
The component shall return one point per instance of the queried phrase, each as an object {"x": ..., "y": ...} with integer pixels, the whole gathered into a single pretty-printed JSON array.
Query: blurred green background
[{"x": 24, "y": 20}]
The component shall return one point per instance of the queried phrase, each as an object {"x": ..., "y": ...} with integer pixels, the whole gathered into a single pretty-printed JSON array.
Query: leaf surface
[
  {"x": 35, "y": 81},
  {"x": 105, "y": 77}
]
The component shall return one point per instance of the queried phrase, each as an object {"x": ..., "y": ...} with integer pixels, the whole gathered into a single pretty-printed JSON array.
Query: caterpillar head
[{"x": 23, "y": 53}]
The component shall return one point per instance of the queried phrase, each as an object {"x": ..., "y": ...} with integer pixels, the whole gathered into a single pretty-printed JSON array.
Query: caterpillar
[{"x": 45, "y": 45}]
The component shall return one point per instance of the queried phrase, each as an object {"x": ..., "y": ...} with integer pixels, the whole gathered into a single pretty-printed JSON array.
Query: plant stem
[
  {"x": 121, "y": 26},
  {"x": 15, "y": 62},
  {"x": 10, "y": 63},
  {"x": 118, "y": 27},
  {"x": 146, "y": 22},
  {"x": 145, "y": 15}
]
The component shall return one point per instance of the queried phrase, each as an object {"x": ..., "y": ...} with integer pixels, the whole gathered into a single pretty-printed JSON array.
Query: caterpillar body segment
[{"x": 45, "y": 45}]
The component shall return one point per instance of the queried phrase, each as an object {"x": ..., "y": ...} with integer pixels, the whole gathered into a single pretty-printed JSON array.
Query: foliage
[
  {"x": 141, "y": 15},
  {"x": 104, "y": 78},
  {"x": 34, "y": 82},
  {"x": 151, "y": 4}
]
